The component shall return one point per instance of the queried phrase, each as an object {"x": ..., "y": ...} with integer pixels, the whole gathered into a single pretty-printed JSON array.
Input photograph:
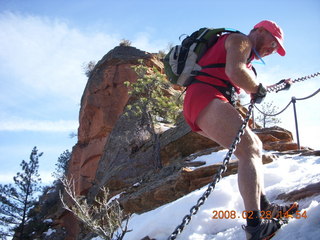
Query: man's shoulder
[{"x": 237, "y": 39}]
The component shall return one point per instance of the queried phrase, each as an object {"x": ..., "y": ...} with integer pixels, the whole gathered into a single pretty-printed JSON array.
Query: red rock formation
[
  {"x": 276, "y": 139},
  {"x": 102, "y": 103},
  {"x": 308, "y": 191}
]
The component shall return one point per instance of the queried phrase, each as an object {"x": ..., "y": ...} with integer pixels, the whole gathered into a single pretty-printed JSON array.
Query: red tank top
[{"x": 216, "y": 55}]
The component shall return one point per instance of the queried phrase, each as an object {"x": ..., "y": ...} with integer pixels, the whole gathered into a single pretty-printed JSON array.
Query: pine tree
[
  {"x": 152, "y": 102},
  {"x": 62, "y": 165},
  {"x": 17, "y": 199}
]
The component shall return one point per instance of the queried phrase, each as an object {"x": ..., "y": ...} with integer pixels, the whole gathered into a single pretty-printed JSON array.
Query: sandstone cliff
[{"x": 102, "y": 103}]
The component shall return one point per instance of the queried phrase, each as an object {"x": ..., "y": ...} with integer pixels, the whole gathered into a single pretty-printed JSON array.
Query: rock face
[
  {"x": 125, "y": 166},
  {"x": 310, "y": 190},
  {"x": 114, "y": 149},
  {"x": 276, "y": 139},
  {"x": 102, "y": 103},
  {"x": 169, "y": 184}
]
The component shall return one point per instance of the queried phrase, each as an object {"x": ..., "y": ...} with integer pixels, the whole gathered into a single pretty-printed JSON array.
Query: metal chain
[
  {"x": 217, "y": 177},
  {"x": 278, "y": 87},
  {"x": 306, "y": 77}
]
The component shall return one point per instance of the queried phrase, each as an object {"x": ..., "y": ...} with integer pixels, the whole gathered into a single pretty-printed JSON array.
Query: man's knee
[
  {"x": 258, "y": 144},
  {"x": 250, "y": 147}
]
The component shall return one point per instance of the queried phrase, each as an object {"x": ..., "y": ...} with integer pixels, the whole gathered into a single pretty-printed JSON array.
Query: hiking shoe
[
  {"x": 265, "y": 230},
  {"x": 280, "y": 211}
]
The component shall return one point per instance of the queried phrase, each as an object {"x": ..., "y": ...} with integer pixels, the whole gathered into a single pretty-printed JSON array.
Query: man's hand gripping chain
[
  {"x": 259, "y": 95},
  {"x": 283, "y": 84}
]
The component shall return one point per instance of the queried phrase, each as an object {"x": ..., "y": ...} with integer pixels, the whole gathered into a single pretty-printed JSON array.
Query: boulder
[{"x": 276, "y": 139}]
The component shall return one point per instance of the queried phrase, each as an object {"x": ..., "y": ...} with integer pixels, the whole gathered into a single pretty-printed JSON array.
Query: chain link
[
  {"x": 278, "y": 87},
  {"x": 217, "y": 178},
  {"x": 306, "y": 77}
]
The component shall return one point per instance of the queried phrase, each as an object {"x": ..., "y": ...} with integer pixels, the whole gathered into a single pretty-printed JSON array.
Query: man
[{"x": 208, "y": 111}]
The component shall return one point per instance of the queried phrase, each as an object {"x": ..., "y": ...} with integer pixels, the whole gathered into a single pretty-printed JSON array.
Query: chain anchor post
[{"x": 294, "y": 100}]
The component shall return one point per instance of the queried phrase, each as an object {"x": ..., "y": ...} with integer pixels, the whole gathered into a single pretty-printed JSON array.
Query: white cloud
[
  {"x": 143, "y": 41},
  {"x": 46, "y": 177},
  {"x": 42, "y": 126},
  {"x": 6, "y": 177},
  {"x": 47, "y": 55}
]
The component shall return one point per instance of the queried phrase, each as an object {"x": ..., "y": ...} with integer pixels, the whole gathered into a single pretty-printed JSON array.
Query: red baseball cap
[{"x": 276, "y": 31}]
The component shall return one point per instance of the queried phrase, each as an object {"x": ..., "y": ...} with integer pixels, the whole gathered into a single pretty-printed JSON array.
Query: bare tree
[
  {"x": 267, "y": 114},
  {"x": 125, "y": 43},
  {"x": 104, "y": 218},
  {"x": 88, "y": 68}
]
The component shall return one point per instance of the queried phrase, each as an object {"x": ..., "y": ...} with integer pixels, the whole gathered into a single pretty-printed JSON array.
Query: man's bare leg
[{"x": 220, "y": 122}]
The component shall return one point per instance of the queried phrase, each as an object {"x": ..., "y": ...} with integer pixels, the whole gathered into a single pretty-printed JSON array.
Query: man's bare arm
[{"x": 238, "y": 49}]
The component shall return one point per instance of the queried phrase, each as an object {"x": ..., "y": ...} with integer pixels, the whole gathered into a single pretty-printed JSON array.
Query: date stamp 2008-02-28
[{"x": 232, "y": 214}]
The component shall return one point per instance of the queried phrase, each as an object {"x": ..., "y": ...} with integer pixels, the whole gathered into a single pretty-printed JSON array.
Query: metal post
[
  {"x": 293, "y": 99},
  {"x": 253, "y": 120}
]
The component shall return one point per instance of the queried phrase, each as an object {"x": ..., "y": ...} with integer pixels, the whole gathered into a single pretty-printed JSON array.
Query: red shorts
[{"x": 198, "y": 96}]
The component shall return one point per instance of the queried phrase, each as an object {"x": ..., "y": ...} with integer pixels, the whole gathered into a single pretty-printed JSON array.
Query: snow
[
  {"x": 136, "y": 184},
  {"x": 49, "y": 220},
  {"x": 286, "y": 174},
  {"x": 115, "y": 197},
  {"x": 215, "y": 157},
  {"x": 49, "y": 232}
]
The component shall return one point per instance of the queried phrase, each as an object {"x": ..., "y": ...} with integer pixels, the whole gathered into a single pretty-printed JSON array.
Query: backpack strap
[
  {"x": 200, "y": 73},
  {"x": 216, "y": 65}
]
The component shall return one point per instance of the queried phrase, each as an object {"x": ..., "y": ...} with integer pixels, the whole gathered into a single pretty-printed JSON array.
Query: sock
[
  {"x": 253, "y": 218},
  {"x": 264, "y": 202}
]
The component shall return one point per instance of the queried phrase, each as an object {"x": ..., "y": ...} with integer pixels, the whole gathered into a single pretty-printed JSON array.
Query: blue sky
[{"x": 44, "y": 45}]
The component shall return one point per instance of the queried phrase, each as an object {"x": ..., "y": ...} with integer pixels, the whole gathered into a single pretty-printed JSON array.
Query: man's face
[{"x": 266, "y": 43}]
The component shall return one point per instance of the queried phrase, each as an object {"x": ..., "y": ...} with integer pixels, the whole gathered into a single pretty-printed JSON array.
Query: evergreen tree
[
  {"x": 153, "y": 103},
  {"x": 62, "y": 165},
  {"x": 17, "y": 199}
]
